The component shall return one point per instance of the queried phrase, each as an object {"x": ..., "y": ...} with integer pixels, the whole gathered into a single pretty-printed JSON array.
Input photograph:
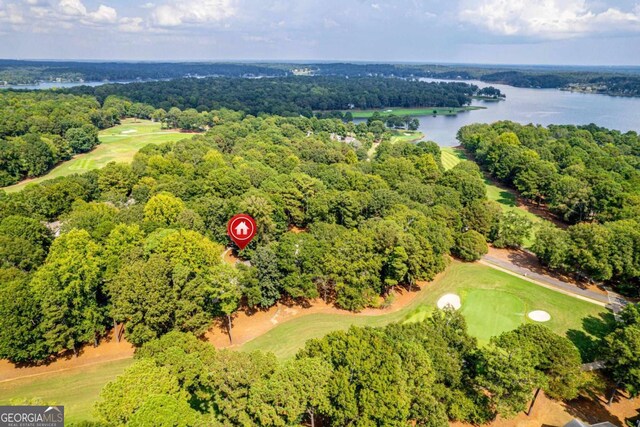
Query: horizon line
[{"x": 314, "y": 61}]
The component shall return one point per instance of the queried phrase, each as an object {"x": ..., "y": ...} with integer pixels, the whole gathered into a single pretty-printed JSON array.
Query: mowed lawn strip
[
  {"x": 492, "y": 302},
  {"x": 77, "y": 389},
  {"x": 507, "y": 199},
  {"x": 414, "y": 112},
  {"x": 117, "y": 144},
  {"x": 406, "y": 136}
]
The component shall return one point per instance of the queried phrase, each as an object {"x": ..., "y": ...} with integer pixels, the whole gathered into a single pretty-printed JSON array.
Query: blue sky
[{"x": 600, "y": 32}]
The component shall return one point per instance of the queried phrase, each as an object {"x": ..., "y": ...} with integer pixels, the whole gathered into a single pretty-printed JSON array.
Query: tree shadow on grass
[
  {"x": 588, "y": 340},
  {"x": 507, "y": 198}
]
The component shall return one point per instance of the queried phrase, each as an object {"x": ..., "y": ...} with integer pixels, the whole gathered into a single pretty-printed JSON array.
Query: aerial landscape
[{"x": 341, "y": 213}]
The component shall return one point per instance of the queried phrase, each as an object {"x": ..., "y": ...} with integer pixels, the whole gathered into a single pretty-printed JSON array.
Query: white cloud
[
  {"x": 104, "y": 14},
  {"x": 177, "y": 12},
  {"x": 11, "y": 13},
  {"x": 131, "y": 25},
  {"x": 39, "y": 3},
  {"x": 551, "y": 19},
  {"x": 72, "y": 7},
  {"x": 75, "y": 8}
]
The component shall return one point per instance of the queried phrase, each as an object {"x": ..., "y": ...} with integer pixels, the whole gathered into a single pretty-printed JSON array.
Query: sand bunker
[
  {"x": 539, "y": 316},
  {"x": 449, "y": 300}
]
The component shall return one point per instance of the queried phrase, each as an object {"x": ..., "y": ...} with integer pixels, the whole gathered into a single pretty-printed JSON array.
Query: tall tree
[
  {"x": 296, "y": 391},
  {"x": 68, "y": 289},
  {"x": 21, "y": 332},
  {"x": 138, "y": 388}
]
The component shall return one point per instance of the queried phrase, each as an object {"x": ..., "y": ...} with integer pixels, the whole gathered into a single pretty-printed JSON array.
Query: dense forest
[
  {"x": 30, "y": 72},
  {"x": 424, "y": 374},
  {"x": 39, "y": 129},
  {"x": 140, "y": 244},
  {"x": 588, "y": 176},
  {"x": 623, "y": 81},
  {"x": 289, "y": 96}
]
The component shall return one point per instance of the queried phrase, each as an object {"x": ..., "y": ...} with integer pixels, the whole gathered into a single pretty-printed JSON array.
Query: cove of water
[{"x": 538, "y": 106}]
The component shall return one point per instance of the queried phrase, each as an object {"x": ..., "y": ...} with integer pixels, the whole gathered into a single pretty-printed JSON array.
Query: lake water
[
  {"x": 54, "y": 85},
  {"x": 539, "y": 106}
]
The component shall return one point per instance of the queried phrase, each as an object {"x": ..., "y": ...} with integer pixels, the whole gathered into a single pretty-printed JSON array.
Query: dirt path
[
  {"x": 247, "y": 325},
  {"x": 109, "y": 350},
  {"x": 525, "y": 265},
  {"x": 551, "y": 413},
  {"x": 250, "y": 324}
]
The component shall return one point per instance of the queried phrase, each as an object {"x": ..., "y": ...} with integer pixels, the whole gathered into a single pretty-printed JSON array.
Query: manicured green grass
[
  {"x": 117, "y": 144},
  {"x": 492, "y": 302},
  {"x": 488, "y": 98},
  {"x": 451, "y": 157},
  {"x": 406, "y": 136},
  {"x": 507, "y": 199},
  {"x": 77, "y": 390},
  {"x": 414, "y": 112}
]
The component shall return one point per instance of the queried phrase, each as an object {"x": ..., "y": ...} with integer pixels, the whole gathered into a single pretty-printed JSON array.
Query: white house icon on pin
[{"x": 242, "y": 229}]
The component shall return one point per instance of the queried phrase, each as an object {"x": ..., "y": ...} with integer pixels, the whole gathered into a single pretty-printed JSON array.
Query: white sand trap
[
  {"x": 449, "y": 300},
  {"x": 539, "y": 316},
  {"x": 129, "y": 131}
]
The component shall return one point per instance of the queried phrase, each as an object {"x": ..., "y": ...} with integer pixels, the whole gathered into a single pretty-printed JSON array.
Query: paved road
[{"x": 547, "y": 280}]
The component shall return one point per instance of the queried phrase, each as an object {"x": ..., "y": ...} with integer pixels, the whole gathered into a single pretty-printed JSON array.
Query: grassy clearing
[
  {"x": 406, "y": 136},
  {"x": 77, "y": 390},
  {"x": 492, "y": 302},
  {"x": 117, "y": 144},
  {"x": 397, "y": 136},
  {"x": 505, "y": 197},
  {"x": 451, "y": 157},
  {"x": 414, "y": 112}
]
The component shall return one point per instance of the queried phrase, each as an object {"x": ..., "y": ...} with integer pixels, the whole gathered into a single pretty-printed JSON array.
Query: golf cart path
[
  {"x": 250, "y": 325},
  {"x": 525, "y": 265}
]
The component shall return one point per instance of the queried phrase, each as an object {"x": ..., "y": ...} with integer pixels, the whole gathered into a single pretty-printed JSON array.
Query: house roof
[{"x": 577, "y": 423}]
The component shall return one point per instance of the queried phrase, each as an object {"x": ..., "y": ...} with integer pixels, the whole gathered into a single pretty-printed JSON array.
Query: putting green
[
  {"x": 491, "y": 312},
  {"x": 492, "y": 302}
]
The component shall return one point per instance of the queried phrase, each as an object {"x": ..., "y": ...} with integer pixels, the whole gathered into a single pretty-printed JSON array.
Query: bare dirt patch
[
  {"x": 551, "y": 413},
  {"x": 251, "y": 323},
  {"x": 229, "y": 256},
  {"x": 109, "y": 350},
  {"x": 297, "y": 230},
  {"x": 594, "y": 409}
]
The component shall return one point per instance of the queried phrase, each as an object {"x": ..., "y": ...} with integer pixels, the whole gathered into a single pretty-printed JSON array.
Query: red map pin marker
[{"x": 241, "y": 229}]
